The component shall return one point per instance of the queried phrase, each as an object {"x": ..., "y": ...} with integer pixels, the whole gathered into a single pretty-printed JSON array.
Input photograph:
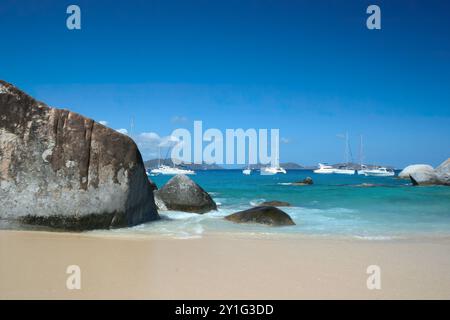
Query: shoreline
[{"x": 218, "y": 266}]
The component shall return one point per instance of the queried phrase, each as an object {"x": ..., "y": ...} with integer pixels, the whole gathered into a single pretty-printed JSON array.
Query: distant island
[{"x": 154, "y": 163}]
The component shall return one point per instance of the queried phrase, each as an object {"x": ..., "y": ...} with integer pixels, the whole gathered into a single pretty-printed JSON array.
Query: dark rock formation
[
  {"x": 265, "y": 215},
  {"x": 274, "y": 203},
  {"x": 60, "y": 169},
  {"x": 304, "y": 182},
  {"x": 182, "y": 194}
]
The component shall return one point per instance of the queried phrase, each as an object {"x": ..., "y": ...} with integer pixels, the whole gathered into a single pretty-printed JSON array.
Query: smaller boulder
[
  {"x": 267, "y": 215},
  {"x": 182, "y": 194},
  {"x": 305, "y": 182}
]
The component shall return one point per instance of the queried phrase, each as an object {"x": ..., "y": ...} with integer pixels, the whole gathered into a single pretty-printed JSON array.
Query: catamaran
[
  {"x": 166, "y": 170},
  {"x": 376, "y": 172},
  {"x": 265, "y": 171},
  {"x": 342, "y": 169},
  {"x": 379, "y": 172},
  {"x": 324, "y": 169}
]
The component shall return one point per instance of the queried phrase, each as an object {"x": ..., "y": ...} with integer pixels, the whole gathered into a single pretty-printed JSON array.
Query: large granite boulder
[
  {"x": 443, "y": 172},
  {"x": 268, "y": 215},
  {"x": 63, "y": 170},
  {"x": 406, "y": 172},
  {"x": 182, "y": 194},
  {"x": 438, "y": 176},
  {"x": 424, "y": 177}
]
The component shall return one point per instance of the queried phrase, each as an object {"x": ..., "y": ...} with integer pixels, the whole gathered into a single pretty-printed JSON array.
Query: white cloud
[
  {"x": 103, "y": 122},
  {"x": 150, "y": 144},
  {"x": 122, "y": 131}
]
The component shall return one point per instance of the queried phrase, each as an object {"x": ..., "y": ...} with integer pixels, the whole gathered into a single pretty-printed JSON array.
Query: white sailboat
[
  {"x": 379, "y": 172},
  {"x": 247, "y": 171},
  {"x": 342, "y": 169},
  {"x": 168, "y": 170},
  {"x": 266, "y": 171},
  {"x": 376, "y": 172},
  {"x": 274, "y": 169},
  {"x": 324, "y": 169}
]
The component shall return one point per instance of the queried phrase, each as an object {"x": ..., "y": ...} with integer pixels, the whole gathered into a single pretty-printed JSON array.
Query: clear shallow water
[
  {"x": 335, "y": 205},
  {"x": 373, "y": 208}
]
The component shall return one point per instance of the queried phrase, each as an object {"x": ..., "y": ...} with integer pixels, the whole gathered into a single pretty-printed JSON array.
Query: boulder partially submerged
[
  {"x": 305, "y": 182},
  {"x": 267, "y": 215},
  {"x": 406, "y": 172},
  {"x": 182, "y": 194},
  {"x": 63, "y": 170}
]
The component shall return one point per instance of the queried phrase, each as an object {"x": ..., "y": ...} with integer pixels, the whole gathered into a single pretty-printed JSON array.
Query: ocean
[{"x": 373, "y": 208}]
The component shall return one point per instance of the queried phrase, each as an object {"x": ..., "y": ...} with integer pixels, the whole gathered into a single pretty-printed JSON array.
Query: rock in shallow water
[
  {"x": 265, "y": 215},
  {"x": 305, "y": 182},
  {"x": 60, "y": 169},
  {"x": 182, "y": 194}
]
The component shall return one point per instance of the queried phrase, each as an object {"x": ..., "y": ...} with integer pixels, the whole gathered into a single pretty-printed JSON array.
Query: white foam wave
[{"x": 256, "y": 202}]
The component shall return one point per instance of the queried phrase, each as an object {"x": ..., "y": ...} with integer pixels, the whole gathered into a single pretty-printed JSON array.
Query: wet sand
[{"x": 33, "y": 265}]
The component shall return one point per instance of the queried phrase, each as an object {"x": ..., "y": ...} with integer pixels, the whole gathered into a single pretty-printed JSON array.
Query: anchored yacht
[
  {"x": 379, "y": 172},
  {"x": 166, "y": 170},
  {"x": 324, "y": 169},
  {"x": 271, "y": 170}
]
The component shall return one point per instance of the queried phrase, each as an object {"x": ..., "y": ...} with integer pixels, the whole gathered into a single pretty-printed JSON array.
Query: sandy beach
[{"x": 33, "y": 265}]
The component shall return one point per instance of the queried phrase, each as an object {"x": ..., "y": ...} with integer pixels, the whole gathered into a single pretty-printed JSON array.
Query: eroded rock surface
[{"x": 60, "y": 169}]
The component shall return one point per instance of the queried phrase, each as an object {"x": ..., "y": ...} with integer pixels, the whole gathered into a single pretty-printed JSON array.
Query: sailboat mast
[
  {"x": 159, "y": 156},
  {"x": 361, "y": 151},
  {"x": 346, "y": 147}
]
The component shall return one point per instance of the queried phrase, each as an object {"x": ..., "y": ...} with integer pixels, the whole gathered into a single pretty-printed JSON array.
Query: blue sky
[{"x": 310, "y": 68}]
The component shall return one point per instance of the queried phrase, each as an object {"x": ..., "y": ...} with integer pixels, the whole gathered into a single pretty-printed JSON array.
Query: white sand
[{"x": 33, "y": 265}]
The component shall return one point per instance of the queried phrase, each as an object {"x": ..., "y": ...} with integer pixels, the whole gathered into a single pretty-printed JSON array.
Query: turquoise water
[{"x": 333, "y": 205}]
